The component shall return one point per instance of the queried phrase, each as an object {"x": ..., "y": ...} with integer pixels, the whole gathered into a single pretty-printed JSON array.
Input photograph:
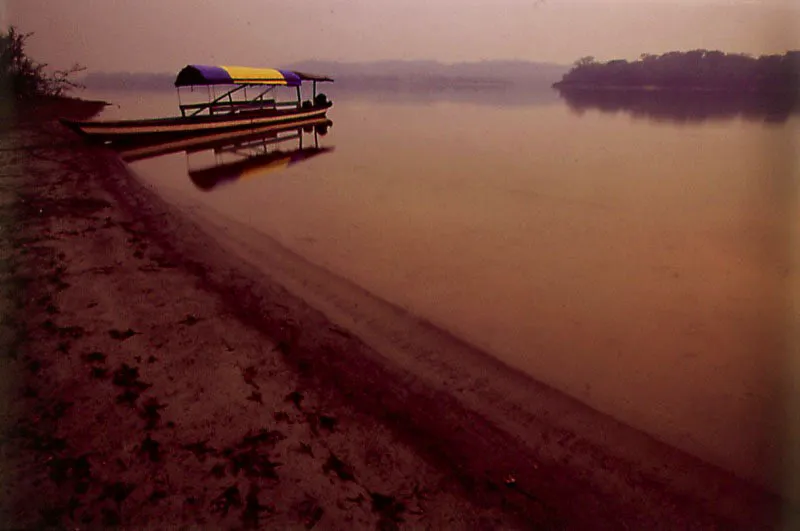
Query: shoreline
[
  {"x": 393, "y": 375},
  {"x": 143, "y": 402}
]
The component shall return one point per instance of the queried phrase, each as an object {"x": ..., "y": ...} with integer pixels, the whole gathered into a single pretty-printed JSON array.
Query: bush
[{"x": 23, "y": 77}]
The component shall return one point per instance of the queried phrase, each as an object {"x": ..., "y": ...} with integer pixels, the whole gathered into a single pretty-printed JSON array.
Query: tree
[
  {"x": 23, "y": 77},
  {"x": 702, "y": 70},
  {"x": 585, "y": 61}
]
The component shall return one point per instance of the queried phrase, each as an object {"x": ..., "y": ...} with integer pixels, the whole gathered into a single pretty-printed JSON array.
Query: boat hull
[
  {"x": 138, "y": 149},
  {"x": 175, "y": 127}
]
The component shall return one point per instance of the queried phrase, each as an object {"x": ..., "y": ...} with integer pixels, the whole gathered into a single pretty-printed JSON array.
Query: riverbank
[
  {"x": 163, "y": 382},
  {"x": 142, "y": 400}
]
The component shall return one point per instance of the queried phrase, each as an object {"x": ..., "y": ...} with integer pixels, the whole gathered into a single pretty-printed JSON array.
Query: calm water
[{"x": 640, "y": 260}]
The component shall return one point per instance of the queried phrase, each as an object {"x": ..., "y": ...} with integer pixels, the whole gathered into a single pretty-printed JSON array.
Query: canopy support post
[
  {"x": 262, "y": 94},
  {"x": 211, "y": 103}
]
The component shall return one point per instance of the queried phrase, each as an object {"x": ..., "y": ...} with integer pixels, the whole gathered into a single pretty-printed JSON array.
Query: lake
[{"x": 642, "y": 259}]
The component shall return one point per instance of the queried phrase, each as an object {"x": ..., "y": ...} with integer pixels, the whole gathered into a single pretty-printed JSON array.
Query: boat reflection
[
  {"x": 216, "y": 159},
  {"x": 684, "y": 106}
]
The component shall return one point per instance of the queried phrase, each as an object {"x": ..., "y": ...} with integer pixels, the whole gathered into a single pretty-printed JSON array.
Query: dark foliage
[
  {"x": 23, "y": 77},
  {"x": 699, "y": 70}
]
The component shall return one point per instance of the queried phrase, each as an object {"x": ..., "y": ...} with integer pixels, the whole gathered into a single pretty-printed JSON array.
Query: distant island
[
  {"x": 378, "y": 75},
  {"x": 697, "y": 70}
]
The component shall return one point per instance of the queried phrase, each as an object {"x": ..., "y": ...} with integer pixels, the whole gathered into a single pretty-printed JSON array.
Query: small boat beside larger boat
[{"x": 231, "y": 110}]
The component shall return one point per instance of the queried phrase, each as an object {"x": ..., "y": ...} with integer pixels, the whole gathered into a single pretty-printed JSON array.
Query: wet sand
[{"x": 163, "y": 379}]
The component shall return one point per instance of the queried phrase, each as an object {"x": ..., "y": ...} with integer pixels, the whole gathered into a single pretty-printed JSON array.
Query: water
[{"x": 641, "y": 260}]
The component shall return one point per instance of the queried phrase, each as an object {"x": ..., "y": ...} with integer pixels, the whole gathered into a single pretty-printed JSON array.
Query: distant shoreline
[
  {"x": 428, "y": 74},
  {"x": 692, "y": 72}
]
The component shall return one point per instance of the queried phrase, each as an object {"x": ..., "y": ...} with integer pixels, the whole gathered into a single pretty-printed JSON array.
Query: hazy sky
[{"x": 164, "y": 35}]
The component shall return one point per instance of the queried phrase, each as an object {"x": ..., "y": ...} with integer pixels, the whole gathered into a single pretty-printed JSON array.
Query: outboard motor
[{"x": 321, "y": 100}]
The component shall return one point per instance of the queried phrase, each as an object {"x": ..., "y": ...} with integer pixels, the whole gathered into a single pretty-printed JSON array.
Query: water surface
[{"x": 638, "y": 260}]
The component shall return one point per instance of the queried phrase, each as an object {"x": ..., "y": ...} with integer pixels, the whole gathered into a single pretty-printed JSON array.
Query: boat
[
  {"x": 231, "y": 110},
  {"x": 133, "y": 151},
  {"x": 234, "y": 155}
]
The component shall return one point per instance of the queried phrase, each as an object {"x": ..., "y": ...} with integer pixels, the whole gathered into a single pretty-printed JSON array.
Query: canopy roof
[{"x": 242, "y": 75}]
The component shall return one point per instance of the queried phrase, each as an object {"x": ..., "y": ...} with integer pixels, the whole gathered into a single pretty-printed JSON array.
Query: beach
[{"x": 157, "y": 378}]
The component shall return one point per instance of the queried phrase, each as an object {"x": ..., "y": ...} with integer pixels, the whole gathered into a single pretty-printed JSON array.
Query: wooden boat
[
  {"x": 236, "y": 154},
  {"x": 231, "y": 110},
  {"x": 132, "y": 151}
]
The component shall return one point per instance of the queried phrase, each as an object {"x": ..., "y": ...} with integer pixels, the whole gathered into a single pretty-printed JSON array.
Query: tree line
[
  {"x": 693, "y": 70},
  {"x": 22, "y": 77}
]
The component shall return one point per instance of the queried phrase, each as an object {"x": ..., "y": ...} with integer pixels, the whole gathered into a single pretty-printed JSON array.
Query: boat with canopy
[
  {"x": 236, "y": 154},
  {"x": 230, "y": 108}
]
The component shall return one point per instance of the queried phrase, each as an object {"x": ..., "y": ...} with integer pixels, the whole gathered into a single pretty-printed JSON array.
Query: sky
[{"x": 165, "y": 35}]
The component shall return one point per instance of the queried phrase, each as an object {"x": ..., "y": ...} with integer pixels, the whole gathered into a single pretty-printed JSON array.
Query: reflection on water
[
  {"x": 637, "y": 265},
  {"x": 217, "y": 158},
  {"x": 684, "y": 106}
]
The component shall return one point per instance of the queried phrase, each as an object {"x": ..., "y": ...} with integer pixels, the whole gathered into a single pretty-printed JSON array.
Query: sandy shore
[{"x": 157, "y": 377}]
